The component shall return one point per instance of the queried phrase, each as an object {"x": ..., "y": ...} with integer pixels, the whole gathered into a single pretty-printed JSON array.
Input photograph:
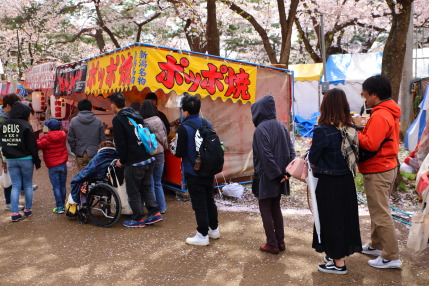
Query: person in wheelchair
[{"x": 95, "y": 170}]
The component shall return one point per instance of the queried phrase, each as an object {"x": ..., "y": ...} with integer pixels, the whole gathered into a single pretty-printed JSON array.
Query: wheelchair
[{"x": 100, "y": 202}]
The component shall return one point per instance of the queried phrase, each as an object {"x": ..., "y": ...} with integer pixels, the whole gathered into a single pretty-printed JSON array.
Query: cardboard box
[{"x": 360, "y": 120}]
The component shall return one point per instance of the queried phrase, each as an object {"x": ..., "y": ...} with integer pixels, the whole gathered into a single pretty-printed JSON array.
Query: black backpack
[{"x": 209, "y": 149}]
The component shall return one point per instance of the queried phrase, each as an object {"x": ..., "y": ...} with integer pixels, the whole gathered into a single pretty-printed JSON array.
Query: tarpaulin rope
[{"x": 393, "y": 208}]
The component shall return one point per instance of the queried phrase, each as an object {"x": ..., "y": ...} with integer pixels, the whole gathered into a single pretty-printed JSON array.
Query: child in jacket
[{"x": 55, "y": 155}]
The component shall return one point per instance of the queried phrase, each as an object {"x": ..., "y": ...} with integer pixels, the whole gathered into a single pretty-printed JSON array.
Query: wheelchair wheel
[{"x": 104, "y": 205}]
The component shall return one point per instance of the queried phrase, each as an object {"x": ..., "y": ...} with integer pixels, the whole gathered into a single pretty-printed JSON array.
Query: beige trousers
[
  {"x": 378, "y": 188},
  {"x": 81, "y": 162}
]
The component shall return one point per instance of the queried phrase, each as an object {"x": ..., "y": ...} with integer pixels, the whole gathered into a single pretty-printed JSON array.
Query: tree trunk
[
  {"x": 212, "y": 32},
  {"x": 194, "y": 42},
  {"x": 286, "y": 27},
  {"x": 103, "y": 25},
  {"x": 394, "y": 50},
  {"x": 406, "y": 98},
  {"x": 100, "y": 40},
  {"x": 19, "y": 55}
]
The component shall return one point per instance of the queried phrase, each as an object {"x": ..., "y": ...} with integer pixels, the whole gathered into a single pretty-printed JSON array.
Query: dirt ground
[{"x": 51, "y": 249}]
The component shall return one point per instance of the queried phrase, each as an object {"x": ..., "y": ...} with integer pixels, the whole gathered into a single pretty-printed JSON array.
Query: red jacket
[
  {"x": 383, "y": 123},
  {"x": 53, "y": 145}
]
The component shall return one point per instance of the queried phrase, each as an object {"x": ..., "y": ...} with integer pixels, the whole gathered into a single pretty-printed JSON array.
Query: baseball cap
[{"x": 53, "y": 124}]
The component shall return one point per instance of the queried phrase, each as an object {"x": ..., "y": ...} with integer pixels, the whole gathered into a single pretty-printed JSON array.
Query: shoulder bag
[{"x": 298, "y": 169}]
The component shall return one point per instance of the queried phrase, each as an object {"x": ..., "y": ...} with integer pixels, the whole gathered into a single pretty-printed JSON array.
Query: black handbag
[{"x": 366, "y": 155}]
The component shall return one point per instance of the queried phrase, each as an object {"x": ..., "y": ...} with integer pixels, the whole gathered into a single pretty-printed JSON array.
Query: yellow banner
[
  {"x": 109, "y": 73},
  {"x": 169, "y": 70}
]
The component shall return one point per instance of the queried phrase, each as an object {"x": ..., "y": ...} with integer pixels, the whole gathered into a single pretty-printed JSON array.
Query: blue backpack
[{"x": 148, "y": 139}]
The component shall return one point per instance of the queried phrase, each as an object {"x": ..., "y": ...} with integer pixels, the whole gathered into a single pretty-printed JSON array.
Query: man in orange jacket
[{"x": 379, "y": 172}]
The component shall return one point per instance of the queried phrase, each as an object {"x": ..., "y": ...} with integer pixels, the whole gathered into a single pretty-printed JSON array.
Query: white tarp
[
  {"x": 421, "y": 62},
  {"x": 306, "y": 98},
  {"x": 306, "y": 77}
]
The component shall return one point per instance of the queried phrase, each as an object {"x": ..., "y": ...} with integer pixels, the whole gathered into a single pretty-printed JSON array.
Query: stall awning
[
  {"x": 40, "y": 77},
  {"x": 157, "y": 68},
  {"x": 307, "y": 72}
]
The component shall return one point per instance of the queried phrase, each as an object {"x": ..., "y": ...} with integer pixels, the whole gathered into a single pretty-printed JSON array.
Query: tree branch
[
  {"x": 147, "y": 21},
  {"x": 261, "y": 31},
  {"x": 308, "y": 47},
  {"x": 77, "y": 36}
]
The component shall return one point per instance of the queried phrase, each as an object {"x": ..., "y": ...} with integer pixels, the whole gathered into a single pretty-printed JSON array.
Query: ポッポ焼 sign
[{"x": 168, "y": 70}]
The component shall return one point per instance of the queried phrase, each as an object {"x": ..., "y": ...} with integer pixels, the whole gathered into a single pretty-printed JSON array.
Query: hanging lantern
[
  {"x": 58, "y": 107},
  {"x": 38, "y": 100}
]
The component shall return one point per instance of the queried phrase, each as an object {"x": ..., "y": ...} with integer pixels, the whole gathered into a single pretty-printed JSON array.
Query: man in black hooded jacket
[{"x": 137, "y": 162}]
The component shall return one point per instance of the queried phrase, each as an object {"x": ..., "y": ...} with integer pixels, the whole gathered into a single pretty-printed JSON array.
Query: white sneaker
[
  {"x": 214, "y": 233},
  {"x": 368, "y": 249},
  {"x": 8, "y": 207},
  {"x": 384, "y": 263},
  {"x": 198, "y": 239}
]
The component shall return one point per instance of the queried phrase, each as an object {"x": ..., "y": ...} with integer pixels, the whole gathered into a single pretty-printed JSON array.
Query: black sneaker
[
  {"x": 330, "y": 267},
  {"x": 328, "y": 259}
]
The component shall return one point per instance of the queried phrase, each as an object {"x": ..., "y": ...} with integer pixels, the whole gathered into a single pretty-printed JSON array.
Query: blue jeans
[
  {"x": 21, "y": 174},
  {"x": 157, "y": 189},
  {"x": 58, "y": 177}
]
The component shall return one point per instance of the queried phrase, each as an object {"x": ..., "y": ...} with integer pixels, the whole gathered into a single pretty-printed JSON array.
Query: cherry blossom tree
[
  {"x": 286, "y": 23},
  {"x": 261, "y": 31}
]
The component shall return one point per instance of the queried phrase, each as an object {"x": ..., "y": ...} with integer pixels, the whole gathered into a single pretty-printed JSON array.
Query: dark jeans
[
  {"x": 201, "y": 193},
  {"x": 272, "y": 219},
  {"x": 139, "y": 190},
  {"x": 7, "y": 192}
]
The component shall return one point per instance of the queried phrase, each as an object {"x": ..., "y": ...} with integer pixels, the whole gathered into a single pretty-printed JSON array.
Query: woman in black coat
[{"x": 272, "y": 152}]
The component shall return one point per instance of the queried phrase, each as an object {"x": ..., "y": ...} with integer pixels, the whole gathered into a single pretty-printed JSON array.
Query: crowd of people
[{"x": 333, "y": 157}]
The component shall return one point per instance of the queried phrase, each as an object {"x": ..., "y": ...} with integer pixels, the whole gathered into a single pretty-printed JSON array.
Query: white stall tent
[
  {"x": 346, "y": 72},
  {"x": 306, "y": 80},
  {"x": 349, "y": 71}
]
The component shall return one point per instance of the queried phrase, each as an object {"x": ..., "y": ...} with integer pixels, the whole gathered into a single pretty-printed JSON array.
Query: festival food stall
[
  {"x": 227, "y": 89},
  {"x": 39, "y": 80}
]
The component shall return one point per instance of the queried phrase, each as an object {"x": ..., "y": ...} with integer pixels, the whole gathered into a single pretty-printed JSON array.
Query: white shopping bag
[
  {"x": 121, "y": 190},
  {"x": 5, "y": 181},
  {"x": 233, "y": 190}
]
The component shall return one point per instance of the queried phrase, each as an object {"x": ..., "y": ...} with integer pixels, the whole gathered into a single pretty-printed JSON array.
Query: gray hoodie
[{"x": 86, "y": 132}]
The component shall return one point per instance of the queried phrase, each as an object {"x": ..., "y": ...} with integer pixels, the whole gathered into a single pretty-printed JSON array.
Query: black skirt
[{"x": 339, "y": 217}]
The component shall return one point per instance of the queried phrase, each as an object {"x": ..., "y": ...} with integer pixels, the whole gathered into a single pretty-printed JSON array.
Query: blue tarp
[
  {"x": 414, "y": 132},
  {"x": 305, "y": 127}
]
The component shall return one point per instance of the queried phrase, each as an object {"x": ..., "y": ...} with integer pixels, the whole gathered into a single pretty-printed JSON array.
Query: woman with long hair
[
  {"x": 20, "y": 149},
  {"x": 150, "y": 117},
  {"x": 333, "y": 158}
]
